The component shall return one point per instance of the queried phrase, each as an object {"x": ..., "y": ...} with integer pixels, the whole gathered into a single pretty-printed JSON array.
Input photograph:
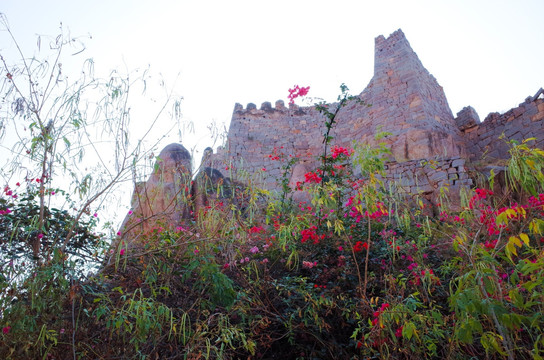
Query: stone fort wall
[
  {"x": 402, "y": 99},
  {"x": 519, "y": 123}
]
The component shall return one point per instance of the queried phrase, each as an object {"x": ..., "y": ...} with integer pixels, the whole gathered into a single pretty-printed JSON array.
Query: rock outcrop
[
  {"x": 171, "y": 199},
  {"x": 162, "y": 202}
]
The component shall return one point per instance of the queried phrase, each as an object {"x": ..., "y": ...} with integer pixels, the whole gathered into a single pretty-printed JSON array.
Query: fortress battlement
[
  {"x": 402, "y": 99},
  {"x": 266, "y": 107}
]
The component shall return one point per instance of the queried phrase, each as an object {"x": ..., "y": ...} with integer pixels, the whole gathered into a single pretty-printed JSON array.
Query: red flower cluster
[
  {"x": 490, "y": 245},
  {"x": 297, "y": 91},
  {"x": 378, "y": 313},
  {"x": 338, "y": 151},
  {"x": 480, "y": 195},
  {"x": 359, "y": 246},
  {"x": 256, "y": 230},
  {"x": 311, "y": 234},
  {"x": 277, "y": 154},
  {"x": 312, "y": 177}
]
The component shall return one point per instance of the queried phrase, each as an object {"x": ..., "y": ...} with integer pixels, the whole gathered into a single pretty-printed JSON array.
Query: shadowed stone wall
[{"x": 522, "y": 122}]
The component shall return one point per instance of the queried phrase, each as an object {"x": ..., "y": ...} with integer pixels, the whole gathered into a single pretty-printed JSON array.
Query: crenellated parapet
[{"x": 266, "y": 108}]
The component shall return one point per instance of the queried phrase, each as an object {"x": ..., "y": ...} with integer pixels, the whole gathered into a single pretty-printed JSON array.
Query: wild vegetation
[{"x": 354, "y": 271}]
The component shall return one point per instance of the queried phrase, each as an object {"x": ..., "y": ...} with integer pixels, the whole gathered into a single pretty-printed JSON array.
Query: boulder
[{"x": 160, "y": 203}]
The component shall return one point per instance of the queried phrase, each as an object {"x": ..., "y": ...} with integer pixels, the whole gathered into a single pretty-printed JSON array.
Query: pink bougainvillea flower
[
  {"x": 359, "y": 246},
  {"x": 297, "y": 91},
  {"x": 118, "y": 233},
  {"x": 95, "y": 215},
  {"x": 122, "y": 252},
  {"x": 130, "y": 212},
  {"x": 40, "y": 236},
  {"x": 6, "y": 329},
  {"x": 311, "y": 177},
  {"x": 309, "y": 264},
  {"x": 338, "y": 151},
  {"x": 256, "y": 230}
]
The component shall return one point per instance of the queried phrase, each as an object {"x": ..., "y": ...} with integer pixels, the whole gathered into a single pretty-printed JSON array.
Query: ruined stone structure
[
  {"x": 430, "y": 147},
  {"x": 522, "y": 122}
]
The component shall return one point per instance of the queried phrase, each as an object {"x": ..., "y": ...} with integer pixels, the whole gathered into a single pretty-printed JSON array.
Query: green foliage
[
  {"x": 138, "y": 319},
  {"x": 524, "y": 170},
  {"x": 20, "y": 227},
  {"x": 209, "y": 279}
]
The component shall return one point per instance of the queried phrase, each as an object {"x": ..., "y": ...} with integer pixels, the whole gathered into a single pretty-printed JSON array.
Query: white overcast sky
[{"x": 488, "y": 54}]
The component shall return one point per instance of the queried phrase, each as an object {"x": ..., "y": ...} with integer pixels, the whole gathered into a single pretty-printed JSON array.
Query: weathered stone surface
[
  {"x": 209, "y": 187},
  {"x": 467, "y": 118},
  {"x": 517, "y": 124},
  {"x": 298, "y": 176},
  {"x": 160, "y": 202},
  {"x": 406, "y": 101}
]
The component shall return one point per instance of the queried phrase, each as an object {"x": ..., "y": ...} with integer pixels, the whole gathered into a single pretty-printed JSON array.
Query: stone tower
[{"x": 406, "y": 101}]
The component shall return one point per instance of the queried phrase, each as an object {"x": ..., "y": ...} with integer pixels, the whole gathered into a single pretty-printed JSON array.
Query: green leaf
[
  {"x": 516, "y": 298},
  {"x": 409, "y": 330},
  {"x": 502, "y": 219},
  {"x": 525, "y": 238}
]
